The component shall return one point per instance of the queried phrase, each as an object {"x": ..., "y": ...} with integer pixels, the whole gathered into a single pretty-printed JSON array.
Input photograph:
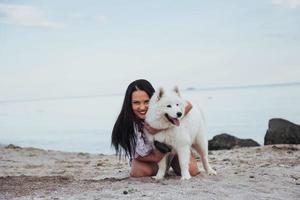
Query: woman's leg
[
  {"x": 141, "y": 169},
  {"x": 193, "y": 167}
]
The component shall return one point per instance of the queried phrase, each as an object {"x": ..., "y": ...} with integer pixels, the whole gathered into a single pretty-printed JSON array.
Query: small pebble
[{"x": 99, "y": 164}]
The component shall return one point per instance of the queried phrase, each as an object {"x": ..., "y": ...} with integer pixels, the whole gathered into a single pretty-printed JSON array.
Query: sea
[{"x": 84, "y": 123}]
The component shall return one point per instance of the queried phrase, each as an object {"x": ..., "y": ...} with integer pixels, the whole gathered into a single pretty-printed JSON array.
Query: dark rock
[
  {"x": 281, "y": 131},
  {"x": 226, "y": 141},
  {"x": 12, "y": 146}
]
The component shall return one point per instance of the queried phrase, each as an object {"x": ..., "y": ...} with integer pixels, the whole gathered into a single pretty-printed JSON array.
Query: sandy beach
[{"x": 268, "y": 172}]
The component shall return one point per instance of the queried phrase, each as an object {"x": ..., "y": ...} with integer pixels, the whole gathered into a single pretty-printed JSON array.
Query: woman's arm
[
  {"x": 151, "y": 130},
  {"x": 154, "y": 156}
]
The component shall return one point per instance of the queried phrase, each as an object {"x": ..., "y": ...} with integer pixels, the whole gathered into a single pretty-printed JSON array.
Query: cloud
[
  {"x": 29, "y": 16},
  {"x": 287, "y": 3}
]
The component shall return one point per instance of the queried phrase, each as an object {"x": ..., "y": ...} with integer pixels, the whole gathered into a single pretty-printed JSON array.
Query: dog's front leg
[
  {"x": 162, "y": 167},
  {"x": 184, "y": 159}
]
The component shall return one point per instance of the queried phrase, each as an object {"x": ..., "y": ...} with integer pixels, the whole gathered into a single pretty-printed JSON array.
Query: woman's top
[{"x": 143, "y": 145}]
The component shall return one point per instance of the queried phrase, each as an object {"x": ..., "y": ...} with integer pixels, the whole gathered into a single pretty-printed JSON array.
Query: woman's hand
[
  {"x": 187, "y": 108},
  {"x": 151, "y": 130}
]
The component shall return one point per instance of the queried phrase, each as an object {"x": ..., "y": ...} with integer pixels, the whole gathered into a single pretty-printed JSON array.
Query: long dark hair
[{"x": 123, "y": 135}]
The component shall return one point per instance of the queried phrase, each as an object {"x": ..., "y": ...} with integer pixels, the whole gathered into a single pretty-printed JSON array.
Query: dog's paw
[
  {"x": 158, "y": 177},
  {"x": 211, "y": 172},
  {"x": 186, "y": 177}
]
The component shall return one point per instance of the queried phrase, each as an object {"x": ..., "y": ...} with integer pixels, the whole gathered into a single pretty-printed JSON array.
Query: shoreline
[{"x": 266, "y": 172}]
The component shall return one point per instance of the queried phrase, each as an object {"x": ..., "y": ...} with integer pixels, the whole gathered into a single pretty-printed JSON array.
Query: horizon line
[
  {"x": 9, "y": 101},
  {"x": 228, "y": 87}
]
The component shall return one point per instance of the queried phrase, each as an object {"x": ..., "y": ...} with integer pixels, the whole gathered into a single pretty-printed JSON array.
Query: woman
[{"x": 128, "y": 136}]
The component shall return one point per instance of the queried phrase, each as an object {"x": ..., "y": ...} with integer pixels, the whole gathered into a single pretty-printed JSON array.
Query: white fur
[{"x": 189, "y": 133}]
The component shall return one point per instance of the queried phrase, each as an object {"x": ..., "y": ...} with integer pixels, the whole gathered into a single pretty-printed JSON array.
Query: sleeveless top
[{"x": 143, "y": 146}]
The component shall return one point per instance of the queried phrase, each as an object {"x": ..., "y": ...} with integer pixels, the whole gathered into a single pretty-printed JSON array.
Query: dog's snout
[{"x": 179, "y": 114}]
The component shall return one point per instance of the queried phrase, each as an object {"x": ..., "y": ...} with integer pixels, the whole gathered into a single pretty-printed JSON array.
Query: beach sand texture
[{"x": 268, "y": 172}]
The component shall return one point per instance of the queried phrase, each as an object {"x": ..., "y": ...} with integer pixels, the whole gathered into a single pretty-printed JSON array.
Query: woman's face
[{"x": 139, "y": 103}]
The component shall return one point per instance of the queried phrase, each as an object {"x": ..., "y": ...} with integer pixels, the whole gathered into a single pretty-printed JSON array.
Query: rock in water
[
  {"x": 281, "y": 131},
  {"x": 226, "y": 141}
]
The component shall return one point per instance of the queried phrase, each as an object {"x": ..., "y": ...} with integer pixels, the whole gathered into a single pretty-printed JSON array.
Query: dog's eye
[
  {"x": 177, "y": 104},
  {"x": 169, "y": 106}
]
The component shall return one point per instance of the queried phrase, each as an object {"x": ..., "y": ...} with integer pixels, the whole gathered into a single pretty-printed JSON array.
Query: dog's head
[{"x": 166, "y": 108}]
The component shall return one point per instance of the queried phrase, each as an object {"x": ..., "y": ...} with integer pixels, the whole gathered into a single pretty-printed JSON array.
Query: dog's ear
[
  {"x": 176, "y": 90},
  {"x": 160, "y": 93}
]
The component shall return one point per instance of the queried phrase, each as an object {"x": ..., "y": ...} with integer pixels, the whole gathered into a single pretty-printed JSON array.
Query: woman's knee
[
  {"x": 136, "y": 173},
  {"x": 139, "y": 169},
  {"x": 141, "y": 172},
  {"x": 194, "y": 171},
  {"x": 193, "y": 167}
]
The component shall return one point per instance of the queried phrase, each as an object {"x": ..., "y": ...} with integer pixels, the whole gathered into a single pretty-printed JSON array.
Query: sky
[{"x": 65, "y": 48}]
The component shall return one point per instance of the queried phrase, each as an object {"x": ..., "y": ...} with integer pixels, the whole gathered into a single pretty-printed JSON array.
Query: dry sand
[{"x": 269, "y": 172}]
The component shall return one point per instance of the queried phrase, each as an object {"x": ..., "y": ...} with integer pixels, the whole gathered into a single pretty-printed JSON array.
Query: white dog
[{"x": 166, "y": 112}]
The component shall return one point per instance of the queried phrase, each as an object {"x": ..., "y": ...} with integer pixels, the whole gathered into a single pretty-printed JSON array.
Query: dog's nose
[{"x": 179, "y": 114}]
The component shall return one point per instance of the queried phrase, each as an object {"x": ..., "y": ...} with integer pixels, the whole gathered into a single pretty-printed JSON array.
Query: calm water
[{"x": 84, "y": 124}]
